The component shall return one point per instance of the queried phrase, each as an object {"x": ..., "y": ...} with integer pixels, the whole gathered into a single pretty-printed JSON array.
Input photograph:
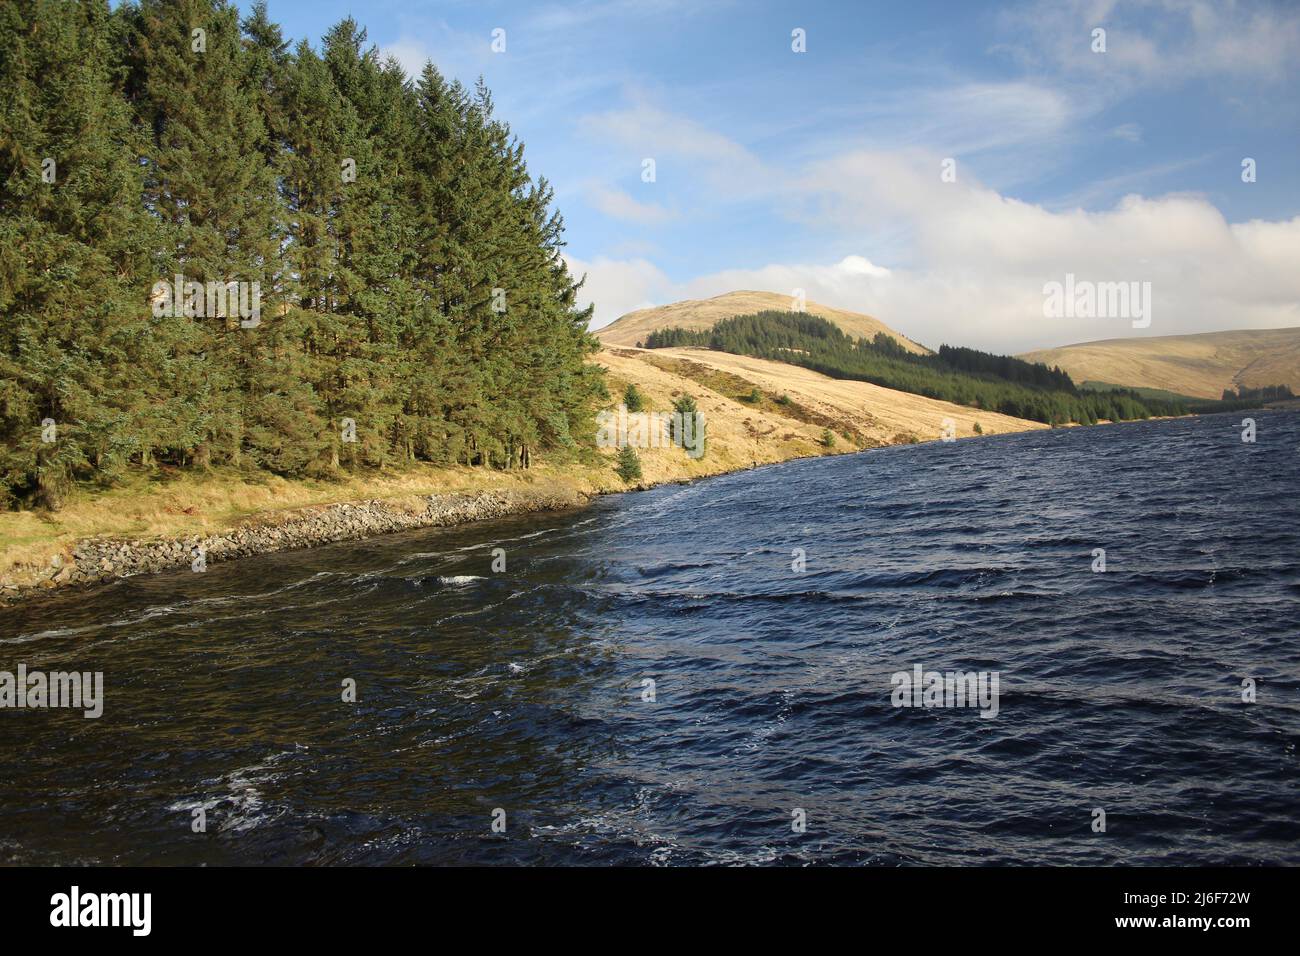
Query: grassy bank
[{"x": 758, "y": 412}]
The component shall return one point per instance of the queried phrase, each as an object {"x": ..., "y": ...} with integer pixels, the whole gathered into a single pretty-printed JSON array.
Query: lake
[{"x": 707, "y": 673}]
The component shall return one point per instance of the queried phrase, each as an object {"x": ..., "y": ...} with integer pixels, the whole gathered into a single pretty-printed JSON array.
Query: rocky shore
[{"x": 95, "y": 560}]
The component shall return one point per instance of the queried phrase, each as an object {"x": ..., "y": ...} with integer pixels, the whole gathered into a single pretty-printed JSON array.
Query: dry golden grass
[
  {"x": 705, "y": 313},
  {"x": 201, "y": 503},
  {"x": 879, "y": 414},
  {"x": 1198, "y": 365},
  {"x": 740, "y": 435}
]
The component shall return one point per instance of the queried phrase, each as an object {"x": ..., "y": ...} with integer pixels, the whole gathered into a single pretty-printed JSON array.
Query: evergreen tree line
[
  {"x": 1265, "y": 393},
  {"x": 1241, "y": 399},
  {"x": 1004, "y": 368},
  {"x": 963, "y": 376},
  {"x": 413, "y": 302}
]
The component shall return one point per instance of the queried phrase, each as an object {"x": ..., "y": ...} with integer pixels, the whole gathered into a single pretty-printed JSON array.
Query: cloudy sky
[{"x": 821, "y": 170}]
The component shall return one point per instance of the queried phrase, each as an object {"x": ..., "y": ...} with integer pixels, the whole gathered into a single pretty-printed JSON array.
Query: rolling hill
[
  {"x": 1200, "y": 365},
  {"x": 704, "y": 313},
  {"x": 761, "y": 411}
]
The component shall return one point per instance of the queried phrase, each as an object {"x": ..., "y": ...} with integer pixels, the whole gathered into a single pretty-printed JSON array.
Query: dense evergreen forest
[
  {"x": 964, "y": 376},
  {"x": 413, "y": 303},
  {"x": 1266, "y": 393}
]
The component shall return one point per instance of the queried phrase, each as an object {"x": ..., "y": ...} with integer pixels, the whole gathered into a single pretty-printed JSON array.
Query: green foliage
[
  {"x": 692, "y": 435},
  {"x": 1156, "y": 393},
  {"x": 978, "y": 429},
  {"x": 828, "y": 438},
  {"x": 379, "y": 299},
  {"x": 1234, "y": 399},
  {"x": 633, "y": 398},
  {"x": 1242, "y": 399},
  {"x": 629, "y": 464},
  {"x": 960, "y": 375}
]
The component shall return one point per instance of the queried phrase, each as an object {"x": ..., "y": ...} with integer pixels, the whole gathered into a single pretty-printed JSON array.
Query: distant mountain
[
  {"x": 705, "y": 313},
  {"x": 1199, "y": 365}
]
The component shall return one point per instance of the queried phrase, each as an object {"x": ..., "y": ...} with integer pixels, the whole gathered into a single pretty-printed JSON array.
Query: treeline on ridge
[
  {"x": 963, "y": 376},
  {"x": 413, "y": 302},
  {"x": 1264, "y": 393}
]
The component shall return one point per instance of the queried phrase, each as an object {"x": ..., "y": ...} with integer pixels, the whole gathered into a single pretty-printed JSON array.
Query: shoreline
[
  {"x": 758, "y": 412},
  {"x": 99, "y": 560},
  {"x": 96, "y": 561}
]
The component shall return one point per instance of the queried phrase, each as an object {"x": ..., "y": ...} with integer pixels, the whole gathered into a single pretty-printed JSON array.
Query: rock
[{"x": 101, "y": 560}]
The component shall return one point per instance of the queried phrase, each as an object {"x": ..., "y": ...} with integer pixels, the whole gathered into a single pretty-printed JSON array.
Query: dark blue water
[{"x": 523, "y": 690}]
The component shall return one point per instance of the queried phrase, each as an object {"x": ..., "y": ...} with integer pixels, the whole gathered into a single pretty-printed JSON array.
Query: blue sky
[{"x": 821, "y": 170}]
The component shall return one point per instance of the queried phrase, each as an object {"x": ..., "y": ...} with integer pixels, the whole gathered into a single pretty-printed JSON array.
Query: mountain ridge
[
  {"x": 695, "y": 314},
  {"x": 1200, "y": 364}
]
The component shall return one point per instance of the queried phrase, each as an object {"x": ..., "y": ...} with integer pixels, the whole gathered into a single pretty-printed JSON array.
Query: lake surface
[{"x": 524, "y": 692}]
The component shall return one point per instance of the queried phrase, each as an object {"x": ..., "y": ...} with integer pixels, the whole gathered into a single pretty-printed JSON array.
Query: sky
[{"x": 822, "y": 170}]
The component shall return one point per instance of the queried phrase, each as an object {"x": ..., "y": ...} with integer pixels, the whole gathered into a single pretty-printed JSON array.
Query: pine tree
[
  {"x": 629, "y": 464},
  {"x": 408, "y": 263},
  {"x": 73, "y": 236}
]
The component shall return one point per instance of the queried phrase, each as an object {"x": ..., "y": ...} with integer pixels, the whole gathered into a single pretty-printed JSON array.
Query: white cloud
[
  {"x": 980, "y": 259},
  {"x": 966, "y": 118},
  {"x": 458, "y": 54},
  {"x": 977, "y": 261},
  {"x": 619, "y": 205},
  {"x": 1158, "y": 42},
  {"x": 619, "y": 286},
  {"x": 1130, "y": 132},
  {"x": 645, "y": 131},
  {"x": 411, "y": 54},
  {"x": 613, "y": 284}
]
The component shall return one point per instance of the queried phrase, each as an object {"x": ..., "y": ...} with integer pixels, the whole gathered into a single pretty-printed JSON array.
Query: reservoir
[{"x": 701, "y": 674}]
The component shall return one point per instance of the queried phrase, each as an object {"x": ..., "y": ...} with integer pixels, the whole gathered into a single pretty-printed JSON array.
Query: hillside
[
  {"x": 1199, "y": 365},
  {"x": 795, "y": 406},
  {"x": 704, "y": 313}
]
